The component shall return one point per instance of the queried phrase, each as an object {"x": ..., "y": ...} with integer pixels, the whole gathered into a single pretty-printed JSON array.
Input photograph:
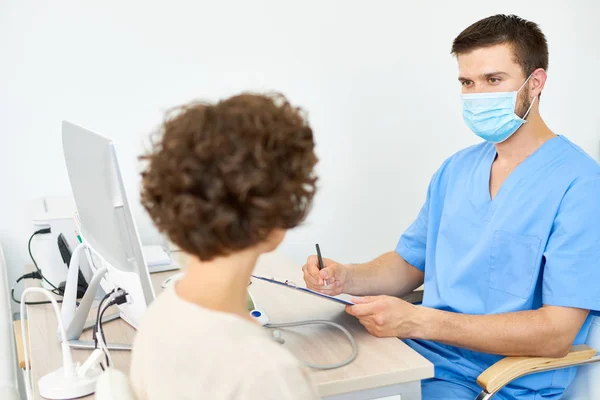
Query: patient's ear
[{"x": 274, "y": 239}]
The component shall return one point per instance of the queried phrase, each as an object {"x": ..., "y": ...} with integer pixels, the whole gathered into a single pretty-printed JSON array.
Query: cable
[
  {"x": 340, "y": 327},
  {"x": 38, "y": 232},
  {"x": 102, "y": 341},
  {"x": 37, "y": 274},
  {"x": 116, "y": 296},
  {"x": 96, "y": 326},
  {"x": 106, "y": 296},
  {"x": 32, "y": 275},
  {"x": 67, "y": 363}
]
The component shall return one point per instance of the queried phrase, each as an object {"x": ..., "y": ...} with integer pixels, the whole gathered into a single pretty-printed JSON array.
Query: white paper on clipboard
[{"x": 292, "y": 285}]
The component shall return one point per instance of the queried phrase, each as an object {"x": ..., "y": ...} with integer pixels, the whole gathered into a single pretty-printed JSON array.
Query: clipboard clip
[
  {"x": 286, "y": 282},
  {"x": 290, "y": 283},
  {"x": 272, "y": 279}
]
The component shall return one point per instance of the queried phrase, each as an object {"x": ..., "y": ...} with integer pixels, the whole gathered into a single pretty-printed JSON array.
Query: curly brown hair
[{"x": 222, "y": 176}]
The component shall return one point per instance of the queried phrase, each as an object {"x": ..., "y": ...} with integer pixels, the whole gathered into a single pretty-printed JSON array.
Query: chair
[
  {"x": 8, "y": 359},
  {"x": 586, "y": 384}
]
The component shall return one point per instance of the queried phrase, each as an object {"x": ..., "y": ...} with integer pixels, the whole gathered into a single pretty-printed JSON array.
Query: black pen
[{"x": 321, "y": 266}]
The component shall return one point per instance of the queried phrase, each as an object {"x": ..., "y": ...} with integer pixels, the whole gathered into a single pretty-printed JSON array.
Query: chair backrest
[
  {"x": 586, "y": 384},
  {"x": 8, "y": 356}
]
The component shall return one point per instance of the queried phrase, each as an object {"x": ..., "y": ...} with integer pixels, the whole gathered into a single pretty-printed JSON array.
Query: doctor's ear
[{"x": 537, "y": 82}]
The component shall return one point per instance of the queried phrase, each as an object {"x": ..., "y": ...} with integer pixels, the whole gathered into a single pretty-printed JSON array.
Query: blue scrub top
[{"x": 537, "y": 242}]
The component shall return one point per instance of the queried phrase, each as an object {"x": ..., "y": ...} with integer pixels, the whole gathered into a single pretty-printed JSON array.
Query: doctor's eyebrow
[
  {"x": 487, "y": 75},
  {"x": 497, "y": 74}
]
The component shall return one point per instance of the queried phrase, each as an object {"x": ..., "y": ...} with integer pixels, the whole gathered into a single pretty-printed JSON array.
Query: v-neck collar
[{"x": 526, "y": 168}]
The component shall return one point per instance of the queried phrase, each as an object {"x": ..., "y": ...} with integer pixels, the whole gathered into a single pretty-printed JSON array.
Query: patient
[{"x": 224, "y": 181}]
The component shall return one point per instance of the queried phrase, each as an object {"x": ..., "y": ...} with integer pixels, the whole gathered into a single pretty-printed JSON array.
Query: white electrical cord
[
  {"x": 104, "y": 348},
  {"x": 340, "y": 327},
  {"x": 67, "y": 360}
]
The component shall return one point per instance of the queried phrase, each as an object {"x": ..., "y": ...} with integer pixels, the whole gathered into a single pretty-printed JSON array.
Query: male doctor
[{"x": 507, "y": 243}]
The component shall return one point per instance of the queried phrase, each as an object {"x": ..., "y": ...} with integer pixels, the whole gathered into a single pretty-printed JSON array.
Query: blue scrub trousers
[{"x": 436, "y": 389}]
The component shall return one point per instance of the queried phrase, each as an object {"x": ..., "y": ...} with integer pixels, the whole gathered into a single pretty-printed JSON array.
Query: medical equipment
[
  {"x": 276, "y": 335},
  {"x": 492, "y": 115},
  {"x": 262, "y": 318}
]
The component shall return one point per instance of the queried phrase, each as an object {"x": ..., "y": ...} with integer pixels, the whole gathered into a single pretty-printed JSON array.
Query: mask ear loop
[
  {"x": 524, "y": 83},
  {"x": 529, "y": 109},
  {"x": 533, "y": 101}
]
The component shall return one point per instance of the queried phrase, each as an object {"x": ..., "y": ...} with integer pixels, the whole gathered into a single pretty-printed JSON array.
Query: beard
[{"x": 523, "y": 103}]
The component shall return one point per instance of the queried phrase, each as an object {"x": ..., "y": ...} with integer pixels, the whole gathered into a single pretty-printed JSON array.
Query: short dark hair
[
  {"x": 525, "y": 37},
  {"x": 222, "y": 176}
]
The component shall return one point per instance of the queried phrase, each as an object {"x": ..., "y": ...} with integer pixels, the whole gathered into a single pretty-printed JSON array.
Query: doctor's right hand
[{"x": 335, "y": 274}]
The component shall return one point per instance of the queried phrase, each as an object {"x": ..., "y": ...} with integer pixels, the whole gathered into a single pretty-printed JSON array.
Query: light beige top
[{"x": 184, "y": 351}]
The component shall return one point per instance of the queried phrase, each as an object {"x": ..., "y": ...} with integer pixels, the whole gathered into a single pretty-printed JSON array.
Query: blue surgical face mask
[{"x": 491, "y": 116}]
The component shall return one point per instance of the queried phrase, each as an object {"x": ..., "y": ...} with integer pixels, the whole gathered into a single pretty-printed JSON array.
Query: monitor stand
[{"x": 74, "y": 318}]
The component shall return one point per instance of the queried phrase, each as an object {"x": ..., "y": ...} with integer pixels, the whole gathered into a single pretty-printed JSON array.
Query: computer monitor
[{"x": 107, "y": 227}]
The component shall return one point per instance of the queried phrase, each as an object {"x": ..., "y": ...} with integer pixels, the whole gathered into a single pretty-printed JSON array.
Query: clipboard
[{"x": 292, "y": 285}]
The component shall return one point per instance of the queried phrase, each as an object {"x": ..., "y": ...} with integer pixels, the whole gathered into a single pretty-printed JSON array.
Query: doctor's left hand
[{"x": 386, "y": 316}]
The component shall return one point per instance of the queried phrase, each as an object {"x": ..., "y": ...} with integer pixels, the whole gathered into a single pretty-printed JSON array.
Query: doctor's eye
[
  {"x": 466, "y": 83},
  {"x": 494, "y": 81}
]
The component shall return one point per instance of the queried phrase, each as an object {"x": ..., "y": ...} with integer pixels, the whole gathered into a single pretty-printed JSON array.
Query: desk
[{"x": 384, "y": 367}]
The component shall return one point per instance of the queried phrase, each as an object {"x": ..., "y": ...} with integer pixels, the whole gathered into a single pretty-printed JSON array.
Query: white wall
[{"x": 375, "y": 76}]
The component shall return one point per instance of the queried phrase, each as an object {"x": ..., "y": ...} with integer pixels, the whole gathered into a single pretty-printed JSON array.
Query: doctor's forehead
[{"x": 484, "y": 61}]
